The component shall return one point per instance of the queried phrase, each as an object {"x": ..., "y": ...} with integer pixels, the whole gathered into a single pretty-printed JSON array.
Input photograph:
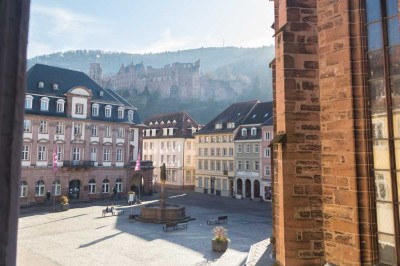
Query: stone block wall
[{"x": 298, "y": 217}]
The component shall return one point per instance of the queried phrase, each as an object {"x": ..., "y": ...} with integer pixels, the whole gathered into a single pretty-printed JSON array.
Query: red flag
[
  {"x": 55, "y": 158},
  {"x": 137, "y": 167}
]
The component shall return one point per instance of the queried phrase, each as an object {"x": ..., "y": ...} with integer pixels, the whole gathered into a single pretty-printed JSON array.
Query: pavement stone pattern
[{"x": 81, "y": 236}]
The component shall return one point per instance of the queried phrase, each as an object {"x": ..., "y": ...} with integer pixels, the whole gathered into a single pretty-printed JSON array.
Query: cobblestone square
[{"x": 81, "y": 236}]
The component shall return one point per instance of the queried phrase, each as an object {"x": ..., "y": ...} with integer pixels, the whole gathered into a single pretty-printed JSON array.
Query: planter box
[
  {"x": 219, "y": 246},
  {"x": 64, "y": 207}
]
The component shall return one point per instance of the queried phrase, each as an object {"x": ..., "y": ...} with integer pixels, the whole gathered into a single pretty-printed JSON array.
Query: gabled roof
[
  {"x": 235, "y": 113},
  {"x": 260, "y": 115},
  {"x": 181, "y": 122}
]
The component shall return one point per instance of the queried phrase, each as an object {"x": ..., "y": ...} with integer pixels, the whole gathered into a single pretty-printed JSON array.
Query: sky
[{"x": 147, "y": 26}]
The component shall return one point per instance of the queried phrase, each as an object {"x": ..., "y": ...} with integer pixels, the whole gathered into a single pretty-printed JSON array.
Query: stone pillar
[
  {"x": 348, "y": 184},
  {"x": 252, "y": 188},
  {"x": 14, "y": 20},
  {"x": 244, "y": 188},
  {"x": 298, "y": 219}
]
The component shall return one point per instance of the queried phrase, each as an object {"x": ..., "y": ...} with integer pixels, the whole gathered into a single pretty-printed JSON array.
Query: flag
[
  {"x": 55, "y": 158},
  {"x": 137, "y": 167}
]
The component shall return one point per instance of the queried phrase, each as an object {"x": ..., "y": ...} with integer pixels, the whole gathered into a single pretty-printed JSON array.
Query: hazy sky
[{"x": 143, "y": 26}]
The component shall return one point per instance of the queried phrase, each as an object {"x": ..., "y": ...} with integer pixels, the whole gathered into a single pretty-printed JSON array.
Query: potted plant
[
  {"x": 64, "y": 205},
  {"x": 220, "y": 240}
]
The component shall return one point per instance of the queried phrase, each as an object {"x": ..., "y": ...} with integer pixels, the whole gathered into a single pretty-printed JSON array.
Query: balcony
[{"x": 78, "y": 164}]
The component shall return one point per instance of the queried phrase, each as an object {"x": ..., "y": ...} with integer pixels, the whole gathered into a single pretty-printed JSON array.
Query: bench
[
  {"x": 174, "y": 226},
  {"x": 219, "y": 220},
  {"x": 113, "y": 212}
]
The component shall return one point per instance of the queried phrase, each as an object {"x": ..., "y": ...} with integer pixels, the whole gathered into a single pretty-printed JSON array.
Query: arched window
[
  {"x": 57, "y": 188},
  {"x": 130, "y": 115},
  {"x": 92, "y": 186},
  {"x": 105, "y": 188},
  {"x": 23, "y": 189},
  {"x": 253, "y": 131},
  {"x": 60, "y": 105},
  {"x": 39, "y": 188},
  {"x": 108, "y": 111},
  {"x": 28, "y": 101},
  {"x": 95, "y": 109},
  {"x": 121, "y": 112},
  {"x": 44, "y": 104},
  {"x": 118, "y": 185},
  {"x": 244, "y": 132}
]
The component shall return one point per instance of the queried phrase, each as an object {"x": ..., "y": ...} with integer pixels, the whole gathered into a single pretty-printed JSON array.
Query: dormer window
[
  {"x": 230, "y": 125},
  {"x": 108, "y": 111},
  {"x": 41, "y": 85},
  {"x": 120, "y": 112},
  {"x": 244, "y": 132},
  {"x": 162, "y": 123},
  {"x": 28, "y": 101},
  {"x": 79, "y": 109},
  {"x": 130, "y": 115},
  {"x": 151, "y": 123},
  {"x": 95, "y": 109},
  {"x": 174, "y": 121},
  {"x": 218, "y": 126},
  {"x": 253, "y": 131},
  {"x": 44, "y": 104},
  {"x": 101, "y": 93},
  {"x": 55, "y": 86},
  {"x": 60, "y": 106}
]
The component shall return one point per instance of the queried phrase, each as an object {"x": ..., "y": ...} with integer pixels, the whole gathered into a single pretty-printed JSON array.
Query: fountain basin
[{"x": 170, "y": 213}]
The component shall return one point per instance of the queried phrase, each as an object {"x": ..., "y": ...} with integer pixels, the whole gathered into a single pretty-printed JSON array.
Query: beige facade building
[
  {"x": 168, "y": 139},
  {"x": 92, "y": 132},
  {"x": 215, "y": 169}
]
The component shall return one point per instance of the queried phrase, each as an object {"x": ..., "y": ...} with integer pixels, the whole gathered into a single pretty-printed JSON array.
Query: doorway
[
  {"x": 256, "y": 189},
  {"x": 74, "y": 189}
]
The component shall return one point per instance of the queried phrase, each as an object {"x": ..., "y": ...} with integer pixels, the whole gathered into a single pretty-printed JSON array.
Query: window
[
  {"x": 60, "y": 128},
  {"x": 200, "y": 151},
  {"x": 119, "y": 155},
  {"x": 79, "y": 109},
  {"x": 94, "y": 131},
  {"x": 267, "y": 153},
  {"x": 212, "y": 151},
  {"x": 77, "y": 128},
  {"x": 267, "y": 135},
  {"x": 108, "y": 111},
  {"x": 120, "y": 133},
  {"x": 212, "y": 139},
  {"x": 200, "y": 166},
  {"x": 239, "y": 149},
  {"x": 267, "y": 170},
  {"x": 218, "y": 165},
  {"x": 218, "y": 151},
  {"x": 206, "y": 139},
  {"x": 23, "y": 189},
  {"x": 212, "y": 165},
  {"x": 206, "y": 151},
  {"x": 174, "y": 146},
  {"x": 201, "y": 140},
  {"x": 230, "y": 166},
  {"x": 130, "y": 116},
  {"x": 57, "y": 188},
  {"x": 253, "y": 131},
  {"x": 230, "y": 125},
  {"x": 256, "y": 148},
  {"x": 43, "y": 127},
  {"x": 162, "y": 159},
  {"x": 256, "y": 166},
  {"x": 174, "y": 158},
  {"x": 95, "y": 109},
  {"x": 218, "y": 138},
  {"x": 118, "y": 185},
  {"x": 76, "y": 154},
  {"x": 247, "y": 165},
  {"x": 174, "y": 175},
  {"x": 188, "y": 177},
  {"x": 239, "y": 164},
  {"x": 105, "y": 187},
  {"x": 106, "y": 155},
  {"x": 28, "y": 102},
  {"x": 230, "y": 151},
  {"x": 224, "y": 184},
  {"x": 168, "y": 158},
  {"x": 168, "y": 145},
  {"x": 39, "y": 188},
  {"x": 93, "y": 154},
  {"x": 59, "y": 153},
  {"x": 120, "y": 112},
  {"x": 151, "y": 146},
  {"x": 218, "y": 126},
  {"x": 200, "y": 182},
  {"x": 60, "y": 106},
  {"x": 107, "y": 132},
  {"x": 205, "y": 164},
  {"x": 25, "y": 152},
  {"x": 230, "y": 138},
  {"x": 224, "y": 138},
  {"x": 27, "y": 125},
  {"x": 224, "y": 152},
  {"x": 244, "y": 132},
  {"x": 247, "y": 148},
  {"x": 42, "y": 156},
  {"x": 92, "y": 186},
  {"x": 44, "y": 104}
]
